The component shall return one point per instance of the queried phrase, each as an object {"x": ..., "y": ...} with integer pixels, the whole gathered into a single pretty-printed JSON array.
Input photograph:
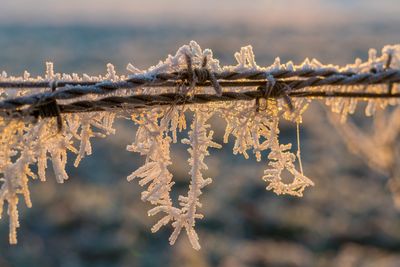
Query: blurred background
[{"x": 97, "y": 218}]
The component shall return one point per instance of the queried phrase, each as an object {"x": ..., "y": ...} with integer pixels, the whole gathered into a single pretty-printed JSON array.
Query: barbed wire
[{"x": 276, "y": 83}]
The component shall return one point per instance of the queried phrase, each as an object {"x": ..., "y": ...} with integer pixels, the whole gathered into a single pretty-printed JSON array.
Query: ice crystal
[
  {"x": 26, "y": 143},
  {"x": 200, "y": 139},
  {"x": 151, "y": 140}
]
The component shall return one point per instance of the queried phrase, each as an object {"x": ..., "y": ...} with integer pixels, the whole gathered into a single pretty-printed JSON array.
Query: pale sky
[{"x": 109, "y": 12}]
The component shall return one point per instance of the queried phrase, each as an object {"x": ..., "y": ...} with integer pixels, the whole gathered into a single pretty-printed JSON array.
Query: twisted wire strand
[
  {"x": 225, "y": 75},
  {"x": 143, "y": 101},
  {"x": 115, "y": 103}
]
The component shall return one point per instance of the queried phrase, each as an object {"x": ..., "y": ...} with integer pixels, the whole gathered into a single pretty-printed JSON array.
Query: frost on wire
[{"x": 254, "y": 125}]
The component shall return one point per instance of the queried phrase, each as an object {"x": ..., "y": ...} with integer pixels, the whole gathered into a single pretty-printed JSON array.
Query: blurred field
[{"x": 97, "y": 218}]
